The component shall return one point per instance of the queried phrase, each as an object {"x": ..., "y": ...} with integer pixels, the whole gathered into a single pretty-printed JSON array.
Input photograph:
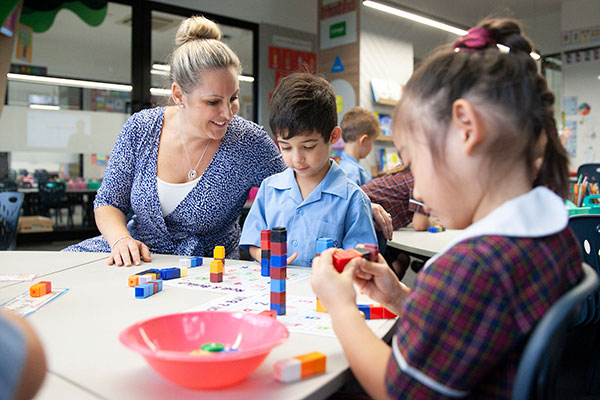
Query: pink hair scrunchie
[{"x": 477, "y": 39}]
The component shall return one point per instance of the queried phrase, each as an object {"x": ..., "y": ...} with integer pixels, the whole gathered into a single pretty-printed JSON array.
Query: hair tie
[{"x": 476, "y": 40}]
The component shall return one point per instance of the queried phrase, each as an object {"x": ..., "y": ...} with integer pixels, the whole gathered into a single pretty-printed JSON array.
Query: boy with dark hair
[
  {"x": 312, "y": 198},
  {"x": 360, "y": 128}
]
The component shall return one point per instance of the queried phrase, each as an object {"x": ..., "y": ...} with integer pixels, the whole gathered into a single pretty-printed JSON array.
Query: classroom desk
[
  {"x": 79, "y": 331},
  {"x": 422, "y": 243},
  {"x": 42, "y": 263}
]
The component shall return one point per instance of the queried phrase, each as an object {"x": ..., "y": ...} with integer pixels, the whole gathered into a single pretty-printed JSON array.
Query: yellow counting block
[
  {"x": 216, "y": 267},
  {"x": 320, "y": 307},
  {"x": 219, "y": 252},
  {"x": 300, "y": 367},
  {"x": 182, "y": 271}
]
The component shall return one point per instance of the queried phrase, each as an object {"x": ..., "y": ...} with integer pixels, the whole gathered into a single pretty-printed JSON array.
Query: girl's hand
[
  {"x": 334, "y": 290},
  {"x": 378, "y": 281},
  {"x": 128, "y": 250}
]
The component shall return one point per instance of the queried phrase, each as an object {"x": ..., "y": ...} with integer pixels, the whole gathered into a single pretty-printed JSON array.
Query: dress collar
[{"x": 537, "y": 213}]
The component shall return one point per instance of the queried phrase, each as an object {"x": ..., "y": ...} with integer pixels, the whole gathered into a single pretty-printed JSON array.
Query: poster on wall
[{"x": 571, "y": 142}]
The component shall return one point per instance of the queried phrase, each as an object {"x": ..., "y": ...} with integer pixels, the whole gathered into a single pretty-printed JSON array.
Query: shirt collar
[
  {"x": 537, "y": 213},
  {"x": 347, "y": 157},
  {"x": 335, "y": 182}
]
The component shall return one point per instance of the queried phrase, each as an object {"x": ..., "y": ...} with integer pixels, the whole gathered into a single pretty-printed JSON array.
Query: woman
[{"x": 185, "y": 170}]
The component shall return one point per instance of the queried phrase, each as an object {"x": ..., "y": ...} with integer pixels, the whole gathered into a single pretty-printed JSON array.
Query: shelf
[
  {"x": 384, "y": 138},
  {"x": 386, "y": 102}
]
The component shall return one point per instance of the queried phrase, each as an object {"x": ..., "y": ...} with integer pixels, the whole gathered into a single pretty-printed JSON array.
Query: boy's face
[{"x": 307, "y": 155}]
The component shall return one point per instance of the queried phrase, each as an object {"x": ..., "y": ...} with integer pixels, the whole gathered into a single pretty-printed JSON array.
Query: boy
[
  {"x": 360, "y": 128},
  {"x": 312, "y": 198},
  {"x": 393, "y": 192}
]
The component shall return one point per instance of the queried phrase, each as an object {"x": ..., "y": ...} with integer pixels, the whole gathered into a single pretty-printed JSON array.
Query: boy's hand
[
  {"x": 378, "y": 281},
  {"x": 334, "y": 290},
  {"x": 383, "y": 221}
]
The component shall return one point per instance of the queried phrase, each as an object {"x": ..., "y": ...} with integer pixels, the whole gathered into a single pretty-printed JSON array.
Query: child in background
[
  {"x": 312, "y": 198},
  {"x": 392, "y": 191},
  {"x": 360, "y": 128},
  {"x": 23, "y": 365},
  {"x": 467, "y": 126}
]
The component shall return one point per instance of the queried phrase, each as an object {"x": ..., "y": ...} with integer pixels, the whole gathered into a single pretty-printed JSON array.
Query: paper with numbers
[
  {"x": 240, "y": 279},
  {"x": 301, "y": 315},
  {"x": 24, "y": 304}
]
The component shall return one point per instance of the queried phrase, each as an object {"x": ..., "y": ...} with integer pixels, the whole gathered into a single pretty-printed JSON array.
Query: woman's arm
[{"x": 125, "y": 250}]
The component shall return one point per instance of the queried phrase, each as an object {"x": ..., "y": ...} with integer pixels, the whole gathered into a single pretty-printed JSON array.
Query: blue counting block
[
  {"x": 324, "y": 244},
  {"x": 278, "y": 285},
  {"x": 170, "y": 273},
  {"x": 280, "y": 308},
  {"x": 265, "y": 268},
  {"x": 278, "y": 261},
  {"x": 365, "y": 309},
  {"x": 159, "y": 282},
  {"x": 199, "y": 261},
  {"x": 144, "y": 290}
]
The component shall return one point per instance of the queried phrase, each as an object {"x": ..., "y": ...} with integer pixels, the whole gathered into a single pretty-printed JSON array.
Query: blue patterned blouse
[{"x": 208, "y": 215}]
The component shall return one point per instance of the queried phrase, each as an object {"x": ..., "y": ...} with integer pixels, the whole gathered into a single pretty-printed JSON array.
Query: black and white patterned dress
[{"x": 208, "y": 215}]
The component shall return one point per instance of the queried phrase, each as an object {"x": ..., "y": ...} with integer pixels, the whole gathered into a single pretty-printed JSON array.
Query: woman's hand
[
  {"x": 383, "y": 221},
  {"x": 378, "y": 281},
  {"x": 127, "y": 250},
  {"x": 334, "y": 290}
]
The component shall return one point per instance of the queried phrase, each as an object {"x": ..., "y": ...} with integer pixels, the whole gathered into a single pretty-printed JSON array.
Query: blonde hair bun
[{"x": 195, "y": 28}]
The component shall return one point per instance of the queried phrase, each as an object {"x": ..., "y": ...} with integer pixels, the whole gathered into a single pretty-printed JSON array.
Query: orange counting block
[
  {"x": 312, "y": 363},
  {"x": 48, "y": 286},
  {"x": 37, "y": 290},
  {"x": 133, "y": 280}
]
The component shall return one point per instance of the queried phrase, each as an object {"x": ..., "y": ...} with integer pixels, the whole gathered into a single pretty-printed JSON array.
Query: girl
[{"x": 475, "y": 125}]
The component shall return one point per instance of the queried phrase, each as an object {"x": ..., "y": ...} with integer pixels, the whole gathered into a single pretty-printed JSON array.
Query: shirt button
[
  {"x": 301, "y": 212},
  {"x": 295, "y": 243}
]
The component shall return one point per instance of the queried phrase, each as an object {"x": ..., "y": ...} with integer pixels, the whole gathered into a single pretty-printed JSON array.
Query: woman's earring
[{"x": 180, "y": 105}]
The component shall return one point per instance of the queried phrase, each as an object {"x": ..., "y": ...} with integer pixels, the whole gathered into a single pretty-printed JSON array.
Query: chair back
[
  {"x": 51, "y": 194},
  {"x": 8, "y": 186},
  {"x": 592, "y": 171},
  {"x": 10, "y": 205},
  {"x": 538, "y": 367},
  {"x": 587, "y": 230}
]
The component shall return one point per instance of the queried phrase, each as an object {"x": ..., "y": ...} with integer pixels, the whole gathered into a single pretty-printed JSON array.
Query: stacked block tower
[
  {"x": 265, "y": 252},
  {"x": 322, "y": 245},
  {"x": 278, "y": 268},
  {"x": 217, "y": 265}
]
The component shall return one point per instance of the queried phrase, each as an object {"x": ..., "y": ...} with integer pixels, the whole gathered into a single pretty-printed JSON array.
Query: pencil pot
[{"x": 588, "y": 206}]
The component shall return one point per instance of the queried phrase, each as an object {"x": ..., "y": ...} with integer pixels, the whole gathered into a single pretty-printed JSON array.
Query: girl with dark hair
[{"x": 475, "y": 126}]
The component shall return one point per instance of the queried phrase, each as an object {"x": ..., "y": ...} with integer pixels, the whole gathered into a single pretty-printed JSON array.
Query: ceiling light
[
  {"x": 46, "y": 80},
  {"x": 43, "y": 107},
  {"x": 427, "y": 21}
]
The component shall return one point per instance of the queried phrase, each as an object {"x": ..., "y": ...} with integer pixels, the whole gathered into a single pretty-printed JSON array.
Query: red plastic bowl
[{"x": 166, "y": 342}]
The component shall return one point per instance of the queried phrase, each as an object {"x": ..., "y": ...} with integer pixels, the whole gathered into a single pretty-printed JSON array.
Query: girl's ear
[
  {"x": 336, "y": 134},
  {"x": 469, "y": 125}
]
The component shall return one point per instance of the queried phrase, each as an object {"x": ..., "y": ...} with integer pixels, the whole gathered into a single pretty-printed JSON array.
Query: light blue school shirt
[
  {"x": 353, "y": 170},
  {"x": 337, "y": 208},
  {"x": 12, "y": 355}
]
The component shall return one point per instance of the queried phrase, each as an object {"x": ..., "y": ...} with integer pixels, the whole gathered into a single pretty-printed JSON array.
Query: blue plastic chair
[
  {"x": 587, "y": 230},
  {"x": 592, "y": 171},
  {"x": 537, "y": 372},
  {"x": 10, "y": 206}
]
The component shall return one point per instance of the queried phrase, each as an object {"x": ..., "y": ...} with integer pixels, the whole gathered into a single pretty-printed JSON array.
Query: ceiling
[{"x": 469, "y": 12}]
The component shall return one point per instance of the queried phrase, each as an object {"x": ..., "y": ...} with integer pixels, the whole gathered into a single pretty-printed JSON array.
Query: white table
[
  {"x": 422, "y": 243},
  {"x": 80, "y": 329}
]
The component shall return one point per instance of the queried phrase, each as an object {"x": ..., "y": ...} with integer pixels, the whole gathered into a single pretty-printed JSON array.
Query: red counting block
[
  {"x": 278, "y": 273},
  {"x": 343, "y": 257},
  {"x": 376, "y": 312},
  {"x": 387, "y": 314},
  {"x": 278, "y": 298},
  {"x": 265, "y": 245},
  {"x": 278, "y": 249},
  {"x": 48, "y": 286}
]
